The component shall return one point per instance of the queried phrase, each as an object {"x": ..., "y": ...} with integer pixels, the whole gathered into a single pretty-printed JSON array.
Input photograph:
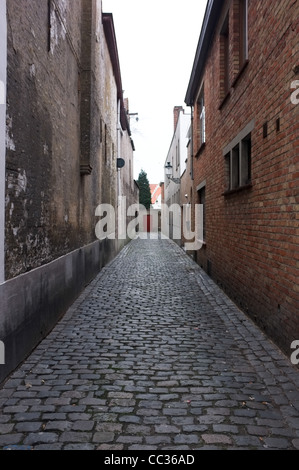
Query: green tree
[{"x": 145, "y": 197}]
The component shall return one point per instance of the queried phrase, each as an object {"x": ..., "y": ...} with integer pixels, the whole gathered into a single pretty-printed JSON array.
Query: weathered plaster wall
[
  {"x": 42, "y": 144},
  {"x": 50, "y": 206},
  {"x": 51, "y": 250},
  {"x": 3, "y": 53}
]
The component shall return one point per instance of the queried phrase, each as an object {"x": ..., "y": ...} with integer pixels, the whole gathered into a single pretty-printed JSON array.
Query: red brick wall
[{"x": 252, "y": 235}]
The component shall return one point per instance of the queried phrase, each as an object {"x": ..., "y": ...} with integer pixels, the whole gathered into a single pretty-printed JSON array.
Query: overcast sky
[{"x": 156, "y": 41}]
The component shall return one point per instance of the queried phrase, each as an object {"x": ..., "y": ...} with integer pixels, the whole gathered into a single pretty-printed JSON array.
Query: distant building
[
  {"x": 186, "y": 194},
  {"x": 63, "y": 127},
  {"x": 244, "y": 158},
  {"x": 176, "y": 159},
  {"x": 127, "y": 186},
  {"x": 156, "y": 196}
]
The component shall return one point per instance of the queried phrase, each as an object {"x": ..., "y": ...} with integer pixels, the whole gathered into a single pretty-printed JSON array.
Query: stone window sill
[
  {"x": 243, "y": 68},
  {"x": 200, "y": 150},
  {"x": 237, "y": 190},
  {"x": 225, "y": 99}
]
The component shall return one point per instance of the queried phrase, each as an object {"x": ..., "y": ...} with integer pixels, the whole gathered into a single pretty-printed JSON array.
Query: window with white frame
[
  {"x": 202, "y": 200},
  {"x": 201, "y": 118}
]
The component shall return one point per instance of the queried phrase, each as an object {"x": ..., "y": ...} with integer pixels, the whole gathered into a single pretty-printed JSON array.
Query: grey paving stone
[
  {"x": 225, "y": 428},
  {"x": 111, "y": 447},
  {"x": 27, "y": 416},
  {"x": 15, "y": 409},
  {"x": 77, "y": 447},
  {"x": 41, "y": 438},
  {"x": 276, "y": 443},
  {"x": 216, "y": 439},
  {"x": 7, "y": 428},
  {"x": 295, "y": 443},
  {"x": 158, "y": 440},
  {"x": 186, "y": 439},
  {"x": 82, "y": 425},
  {"x": 167, "y": 429},
  {"x": 103, "y": 437},
  {"x": 129, "y": 439},
  {"x": 54, "y": 416},
  {"x": 250, "y": 442},
  {"x": 75, "y": 436},
  {"x": 32, "y": 426},
  {"x": 152, "y": 356}
]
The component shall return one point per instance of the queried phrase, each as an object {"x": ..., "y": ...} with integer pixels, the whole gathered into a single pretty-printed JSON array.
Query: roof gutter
[
  {"x": 109, "y": 30},
  {"x": 212, "y": 14}
]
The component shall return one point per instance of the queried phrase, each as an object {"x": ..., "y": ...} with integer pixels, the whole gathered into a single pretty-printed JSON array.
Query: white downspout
[
  {"x": 3, "y": 67},
  {"x": 121, "y": 205},
  {"x": 119, "y": 192}
]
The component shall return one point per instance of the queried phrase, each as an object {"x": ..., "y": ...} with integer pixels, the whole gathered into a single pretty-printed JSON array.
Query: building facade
[
  {"x": 186, "y": 195},
  {"x": 128, "y": 191},
  {"x": 245, "y": 157},
  {"x": 64, "y": 112},
  {"x": 176, "y": 160}
]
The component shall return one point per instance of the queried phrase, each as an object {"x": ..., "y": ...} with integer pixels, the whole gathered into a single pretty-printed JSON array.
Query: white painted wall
[
  {"x": 3, "y": 61},
  {"x": 185, "y": 121},
  {"x": 179, "y": 141}
]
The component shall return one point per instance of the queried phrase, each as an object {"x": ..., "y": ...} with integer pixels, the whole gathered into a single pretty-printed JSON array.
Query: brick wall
[{"x": 252, "y": 235}]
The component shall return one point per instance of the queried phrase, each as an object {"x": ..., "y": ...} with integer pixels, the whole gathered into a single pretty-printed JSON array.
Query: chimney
[
  {"x": 126, "y": 104},
  {"x": 176, "y": 114}
]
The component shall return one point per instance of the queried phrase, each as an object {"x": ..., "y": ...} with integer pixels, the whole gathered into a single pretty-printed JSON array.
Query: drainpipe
[
  {"x": 121, "y": 205},
  {"x": 118, "y": 148},
  {"x": 192, "y": 140}
]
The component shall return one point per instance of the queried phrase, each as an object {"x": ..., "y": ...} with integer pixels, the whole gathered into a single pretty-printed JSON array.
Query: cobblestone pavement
[{"x": 152, "y": 356}]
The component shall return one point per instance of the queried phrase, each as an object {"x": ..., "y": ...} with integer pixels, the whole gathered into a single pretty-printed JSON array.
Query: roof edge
[
  {"x": 212, "y": 15},
  {"x": 109, "y": 30}
]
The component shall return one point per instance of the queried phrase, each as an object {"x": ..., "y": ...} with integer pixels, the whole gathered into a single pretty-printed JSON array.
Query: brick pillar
[{"x": 86, "y": 85}]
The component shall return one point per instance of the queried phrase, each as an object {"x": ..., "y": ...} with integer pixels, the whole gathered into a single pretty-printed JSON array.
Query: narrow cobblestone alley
[{"x": 152, "y": 356}]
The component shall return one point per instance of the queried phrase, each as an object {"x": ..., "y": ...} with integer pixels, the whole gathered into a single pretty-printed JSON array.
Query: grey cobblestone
[
  {"x": 152, "y": 356},
  {"x": 40, "y": 438}
]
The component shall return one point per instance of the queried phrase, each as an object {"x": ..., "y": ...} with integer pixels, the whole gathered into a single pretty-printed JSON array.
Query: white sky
[{"x": 156, "y": 42}]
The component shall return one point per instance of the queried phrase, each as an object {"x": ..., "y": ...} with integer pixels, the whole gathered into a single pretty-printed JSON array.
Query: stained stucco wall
[{"x": 2, "y": 129}]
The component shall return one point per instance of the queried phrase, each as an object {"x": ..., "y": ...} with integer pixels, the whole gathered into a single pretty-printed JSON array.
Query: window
[
  {"x": 238, "y": 164},
  {"x": 243, "y": 32},
  {"x": 224, "y": 58},
  {"x": 177, "y": 155},
  {"x": 239, "y": 39},
  {"x": 235, "y": 168},
  {"x": 201, "y": 119},
  {"x": 49, "y": 24},
  {"x": 202, "y": 200},
  {"x": 245, "y": 169},
  {"x": 278, "y": 125},
  {"x": 227, "y": 171},
  {"x": 265, "y": 130},
  {"x": 237, "y": 157}
]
